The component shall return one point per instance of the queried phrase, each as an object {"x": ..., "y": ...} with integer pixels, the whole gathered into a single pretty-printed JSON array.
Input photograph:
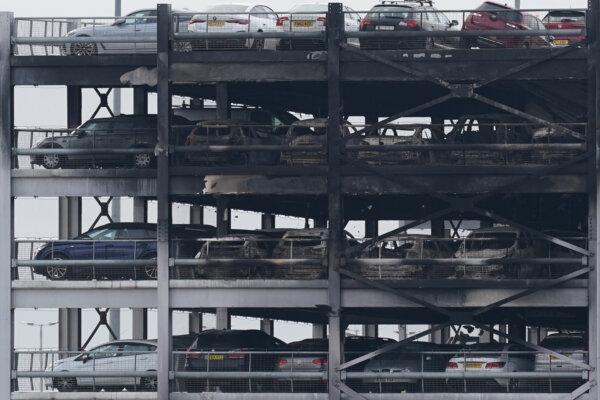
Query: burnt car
[
  {"x": 121, "y": 132},
  {"x": 238, "y": 246},
  {"x": 310, "y": 355},
  {"x": 408, "y": 16},
  {"x": 566, "y": 20},
  {"x": 231, "y": 351},
  {"x": 490, "y": 16},
  {"x": 301, "y": 243},
  {"x": 407, "y": 247},
  {"x": 553, "y": 136},
  {"x": 496, "y": 243},
  {"x": 308, "y": 132},
  {"x": 397, "y": 135},
  {"x": 225, "y": 133},
  {"x": 117, "y": 241},
  {"x": 411, "y": 357}
]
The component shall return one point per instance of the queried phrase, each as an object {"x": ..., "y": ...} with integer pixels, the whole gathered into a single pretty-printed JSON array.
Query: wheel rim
[
  {"x": 84, "y": 49},
  {"x": 65, "y": 384},
  {"x": 150, "y": 384},
  {"x": 150, "y": 271},
  {"x": 51, "y": 161},
  {"x": 143, "y": 160},
  {"x": 56, "y": 272}
]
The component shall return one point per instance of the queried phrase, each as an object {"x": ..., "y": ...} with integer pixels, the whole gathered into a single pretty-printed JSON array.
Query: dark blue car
[{"x": 118, "y": 241}]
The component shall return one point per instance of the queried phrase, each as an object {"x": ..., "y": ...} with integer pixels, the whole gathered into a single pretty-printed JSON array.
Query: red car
[
  {"x": 565, "y": 19},
  {"x": 492, "y": 16}
]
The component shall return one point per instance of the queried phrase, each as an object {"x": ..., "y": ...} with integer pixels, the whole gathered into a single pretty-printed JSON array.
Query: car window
[
  {"x": 101, "y": 234},
  {"x": 400, "y": 12},
  {"x": 129, "y": 348},
  {"x": 136, "y": 233},
  {"x": 109, "y": 350},
  {"x": 140, "y": 17},
  {"x": 99, "y": 127}
]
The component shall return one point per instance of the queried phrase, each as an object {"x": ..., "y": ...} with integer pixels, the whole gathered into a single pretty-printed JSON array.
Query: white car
[
  {"x": 118, "y": 356},
  {"x": 231, "y": 18},
  {"x": 493, "y": 357},
  {"x": 572, "y": 345},
  {"x": 312, "y": 17},
  {"x": 136, "y": 25}
]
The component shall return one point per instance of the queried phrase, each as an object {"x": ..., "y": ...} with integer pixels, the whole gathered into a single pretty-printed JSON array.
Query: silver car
[
  {"x": 123, "y": 356},
  {"x": 572, "y": 345}
]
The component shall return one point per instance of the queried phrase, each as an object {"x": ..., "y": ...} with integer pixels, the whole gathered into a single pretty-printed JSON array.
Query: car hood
[
  {"x": 90, "y": 30},
  {"x": 56, "y": 139},
  {"x": 67, "y": 364}
]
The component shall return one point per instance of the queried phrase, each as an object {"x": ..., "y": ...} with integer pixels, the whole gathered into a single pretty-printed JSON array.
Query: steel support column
[
  {"x": 267, "y": 326},
  {"x": 222, "y": 97},
  {"x": 319, "y": 331},
  {"x": 69, "y": 329},
  {"x": 335, "y": 25},
  {"x": 163, "y": 201},
  {"x": 195, "y": 322},
  {"x": 73, "y": 106},
  {"x": 139, "y": 316},
  {"x": 223, "y": 217},
  {"x": 223, "y": 319},
  {"x": 196, "y": 215},
  {"x": 140, "y": 100}
]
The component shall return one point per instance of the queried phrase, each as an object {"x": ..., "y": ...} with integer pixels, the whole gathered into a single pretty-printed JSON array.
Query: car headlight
[{"x": 53, "y": 365}]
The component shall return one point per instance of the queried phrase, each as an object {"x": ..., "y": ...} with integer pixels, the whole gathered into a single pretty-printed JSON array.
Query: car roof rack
[{"x": 398, "y": 2}]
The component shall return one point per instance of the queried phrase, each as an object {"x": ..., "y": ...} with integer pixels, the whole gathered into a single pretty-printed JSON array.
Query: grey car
[{"x": 121, "y": 132}]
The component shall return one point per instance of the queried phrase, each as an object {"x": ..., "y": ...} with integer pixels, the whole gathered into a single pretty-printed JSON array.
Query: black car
[
  {"x": 118, "y": 241},
  {"x": 407, "y": 16},
  {"x": 121, "y": 133},
  {"x": 231, "y": 351}
]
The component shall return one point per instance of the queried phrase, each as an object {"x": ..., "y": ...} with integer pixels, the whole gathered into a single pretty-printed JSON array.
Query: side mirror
[
  {"x": 454, "y": 22},
  {"x": 80, "y": 134},
  {"x": 85, "y": 358},
  {"x": 119, "y": 21}
]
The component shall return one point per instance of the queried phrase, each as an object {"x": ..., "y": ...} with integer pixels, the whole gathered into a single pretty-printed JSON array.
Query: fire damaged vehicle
[
  {"x": 496, "y": 243},
  {"x": 238, "y": 246},
  {"x": 409, "y": 247},
  {"x": 301, "y": 243},
  {"x": 225, "y": 133}
]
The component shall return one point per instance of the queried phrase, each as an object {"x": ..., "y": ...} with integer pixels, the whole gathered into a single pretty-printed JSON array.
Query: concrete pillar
[
  {"x": 139, "y": 322},
  {"x": 114, "y": 321},
  {"x": 140, "y": 210},
  {"x": 69, "y": 217},
  {"x": 503, "y": 328},
  {"x": 437, "y": 337},
  {"x": 69, "y": 329},
  {"x": 222, "y": 97},
  {"x": 267, "y": 221},
  {"x": 223, "y": 318},
  {"x": 223, "y": 218},
  {"x": 73, "y": 106},
  {"x": 370, "y": 330},
  {"x": 438, "y": 228},
  {"x": 517, "y": 329},
  {"x": 319, "y": 331},
  {"x": 320, "y": 223},
  {"x": 196, "y": 215},
  {"x": 195, "y": 322},
  {"x": 401, "y": 332},
  {"x": 140, "y": 100},
  {"x": 485, "y": 337},
  {"x": 267, "y": 326}
]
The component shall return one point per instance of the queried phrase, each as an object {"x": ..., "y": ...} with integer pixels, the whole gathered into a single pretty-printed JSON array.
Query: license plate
[
  {"x": 216, "y": 23},
  {"x": 216, "y": 357},
  {"x": 473, "y": 365},
  {"x": 384, "y": 28},
  {"x": 561, "y": 42},
  {"x": 303, "y": 24}
]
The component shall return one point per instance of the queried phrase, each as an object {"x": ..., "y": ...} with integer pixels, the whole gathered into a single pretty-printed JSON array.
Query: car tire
[
  {"x": 149, "y": 384},
  {"x": 52, "y": 161},
  {"x": 64, "y": 384},
  {"x": 56, "y": 273},
  {"x": 143, "y": 160},
  {"x": 147, "y": 272},
  {"x": 84, "y": 49}
]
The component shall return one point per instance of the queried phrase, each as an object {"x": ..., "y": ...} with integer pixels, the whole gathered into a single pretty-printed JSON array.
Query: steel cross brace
[
  {"x": 102, "y": 321},
  {"x": 455, "y": 228},
  {"x": 104, "y": 211},
  {"x": 580, "y": 391},
  {"x": 460, "y": 90},
  {"x": 103, "y": 102},
  {"x": 458, "y": 317}
]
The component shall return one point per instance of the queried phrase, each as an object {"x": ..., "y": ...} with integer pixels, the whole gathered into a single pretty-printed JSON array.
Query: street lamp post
[{"x": 41, "y": 328}]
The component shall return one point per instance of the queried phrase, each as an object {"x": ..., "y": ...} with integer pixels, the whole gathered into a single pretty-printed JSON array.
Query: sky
[{"x": 46, "y": 107}]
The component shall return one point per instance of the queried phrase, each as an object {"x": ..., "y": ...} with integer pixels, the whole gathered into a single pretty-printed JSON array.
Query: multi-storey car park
[{"x": 511, "y": 145}]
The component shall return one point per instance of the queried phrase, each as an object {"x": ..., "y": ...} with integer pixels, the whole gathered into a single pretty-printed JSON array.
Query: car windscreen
[
  {"x": 100, "y": 234},
  {"x": 491, "y": 241},
  {"x": 565, "y": 16},
  {"x": 399, "y": 12},
  {"x": 228, "y": 8},
  {"x": 564, "y": 342},
  {"x": 503, "y": 12}
]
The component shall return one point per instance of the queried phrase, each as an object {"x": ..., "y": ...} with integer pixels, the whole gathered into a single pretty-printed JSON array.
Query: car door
[
  {"x": 138, "y": 357},
  {"x": 101, "y": 358},
  {"x": 134, "y": 25}
]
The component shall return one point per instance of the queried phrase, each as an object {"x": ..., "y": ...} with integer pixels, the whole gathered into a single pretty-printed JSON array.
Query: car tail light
[
  {"x": 411, "y": 23},
  {"x": 282, "y": 362},
  {"x": 364, "y": 22},
  {"x": 196, "y": 19},
  {"x": 235, "y": 356},
  {"x": 241, "y": 21},
  {"x": 495, "y": 365},
  {"x": 452, "y": 365},
  {"x": 323, "y": 20},
  {"x": 319, "y": 361},
  {"x": 281, "y": 20},
  {"x": 512, "y": 26},
  {"x": 192, "y": 355}
]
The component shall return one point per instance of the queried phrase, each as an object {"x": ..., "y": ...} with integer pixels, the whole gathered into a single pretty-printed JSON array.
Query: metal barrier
[{"x": 380, "y": 28}]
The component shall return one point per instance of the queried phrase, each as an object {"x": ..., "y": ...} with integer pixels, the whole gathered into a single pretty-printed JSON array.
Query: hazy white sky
[{"x": 45, "y": 106}]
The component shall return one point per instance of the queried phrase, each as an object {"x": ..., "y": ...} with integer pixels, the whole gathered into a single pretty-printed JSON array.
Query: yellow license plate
[
  {"x": 216, "y": 23},
  {"x": 473, "y": 365},
  {"x": 303, "y": 24},
  {"x": 561, "y": 42},
  {"x": 216, "y": 357}
]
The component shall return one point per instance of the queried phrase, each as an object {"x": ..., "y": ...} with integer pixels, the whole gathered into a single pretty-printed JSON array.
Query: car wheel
[
  {"x": 51, "y": 161},
  {"x": 143, "y": 160},
  {"x": 64, "y": 384},
  {"x": 56, "y": 272},
  {"x": 84, "y": 49},
  {"x": 149, "y": 384},
  {"x": 148, "y": 272}
]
